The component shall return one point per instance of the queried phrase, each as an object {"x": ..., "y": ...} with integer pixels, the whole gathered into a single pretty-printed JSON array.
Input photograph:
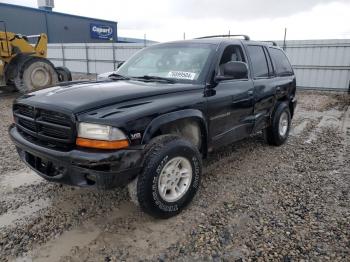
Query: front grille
[
  {"x": 56, "y": 118},
  {"x": 26, "y": 111},
  {"x": 27, "y": 124},
  {"x": 45, "y": 126}
]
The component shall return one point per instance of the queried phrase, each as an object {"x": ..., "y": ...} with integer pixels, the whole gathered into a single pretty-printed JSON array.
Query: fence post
[
  {"x": 284, "y": 39},
  {"x": 114, "y": 58},
  {"x": 63, "y": 56},
  {"x": 87, "y": 58}
]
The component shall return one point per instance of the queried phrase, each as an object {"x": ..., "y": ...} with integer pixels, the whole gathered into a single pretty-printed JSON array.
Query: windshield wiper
[
  {"x": 115, "y": 76},
  {"x": 155, "y": 78}
]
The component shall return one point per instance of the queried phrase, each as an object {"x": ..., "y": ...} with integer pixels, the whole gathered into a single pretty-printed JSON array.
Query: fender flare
[{"x": 159, "y": 121}]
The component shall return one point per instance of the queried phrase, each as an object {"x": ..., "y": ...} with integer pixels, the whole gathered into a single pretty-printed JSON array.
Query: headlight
[{"x": 101, "y": 136}]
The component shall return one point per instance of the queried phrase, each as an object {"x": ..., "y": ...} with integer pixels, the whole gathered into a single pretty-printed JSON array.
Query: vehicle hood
[{"x": 81, "y": 97}]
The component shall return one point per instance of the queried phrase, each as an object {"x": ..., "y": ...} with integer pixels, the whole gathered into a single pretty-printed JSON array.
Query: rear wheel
[
  {"x": 277, "y": 133},
  {"x": 35, "y": 74},
  {"x": 64, "y": 75},
  {"x": 170, "y": 177}
]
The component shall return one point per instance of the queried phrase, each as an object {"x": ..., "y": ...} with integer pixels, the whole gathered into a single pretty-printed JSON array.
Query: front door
[{"x": 230, "y": 103}]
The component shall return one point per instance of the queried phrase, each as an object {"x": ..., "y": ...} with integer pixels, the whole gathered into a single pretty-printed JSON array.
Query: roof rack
[
  {"x": 212, "y": 36},
  {"x": 271, "y": 42}
]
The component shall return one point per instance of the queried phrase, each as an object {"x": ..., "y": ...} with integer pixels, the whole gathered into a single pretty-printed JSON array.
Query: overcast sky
[{"x": 164, "y": 20}]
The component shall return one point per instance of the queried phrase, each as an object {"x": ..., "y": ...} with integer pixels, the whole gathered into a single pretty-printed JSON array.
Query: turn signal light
[{"x": 102, "y": 144}]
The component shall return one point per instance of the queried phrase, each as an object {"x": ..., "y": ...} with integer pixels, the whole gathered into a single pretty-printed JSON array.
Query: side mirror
[
  {"x": 233, "y": 70},
  {"x": 120, "y": 64}
]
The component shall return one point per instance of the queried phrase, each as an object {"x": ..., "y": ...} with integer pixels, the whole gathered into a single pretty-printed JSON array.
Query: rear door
[
  {"x": 264, "y": 83},
  {"x": 284, "y": 76},
  {"x": 230, "y": 102}
]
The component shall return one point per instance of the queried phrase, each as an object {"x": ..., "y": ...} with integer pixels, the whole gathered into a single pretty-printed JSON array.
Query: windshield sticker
[{"x": 182, "y": 75}]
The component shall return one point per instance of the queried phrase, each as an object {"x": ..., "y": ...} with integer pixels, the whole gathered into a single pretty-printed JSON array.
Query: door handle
[
  {"x": 278, "y": 88},
  {"x": 250, "y": 92}
]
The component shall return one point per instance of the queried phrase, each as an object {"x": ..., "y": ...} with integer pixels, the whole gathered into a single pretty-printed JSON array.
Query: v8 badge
[{"x": 135, "y": 136}]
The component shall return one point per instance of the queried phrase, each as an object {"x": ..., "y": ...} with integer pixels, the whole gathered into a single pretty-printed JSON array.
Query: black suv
[{"x": 150, "y": 124}]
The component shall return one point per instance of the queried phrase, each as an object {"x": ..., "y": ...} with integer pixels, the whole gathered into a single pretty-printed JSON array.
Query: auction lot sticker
[{"x": 182, "y": 75}]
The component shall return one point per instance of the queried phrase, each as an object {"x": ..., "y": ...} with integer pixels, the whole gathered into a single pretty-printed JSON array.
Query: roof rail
[
  {"x": 271, "y": 42},
  {"x": 212, "y": 36}
]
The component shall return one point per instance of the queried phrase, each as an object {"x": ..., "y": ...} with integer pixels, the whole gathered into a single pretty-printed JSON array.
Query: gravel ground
[{"x": 256, "y": 202}]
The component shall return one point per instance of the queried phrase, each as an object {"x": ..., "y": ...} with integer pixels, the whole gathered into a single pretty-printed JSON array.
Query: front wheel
[
  {"x": 34, "y": 74},
  {"x": 277, "y": 133},
  {"x": 170, "y": 177}
]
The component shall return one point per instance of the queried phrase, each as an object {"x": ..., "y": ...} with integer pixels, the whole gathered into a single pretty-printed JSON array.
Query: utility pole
[{"x": 184, "y": 36}]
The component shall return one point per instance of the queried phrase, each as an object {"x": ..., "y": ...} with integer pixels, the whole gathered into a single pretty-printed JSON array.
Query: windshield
[{"x": 180, "y": 62}]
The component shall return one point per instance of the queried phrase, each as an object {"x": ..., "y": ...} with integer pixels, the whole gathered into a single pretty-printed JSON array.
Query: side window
[
  {"x": 281, "y": 63},
  {"x": 258, "y": 59},
  {"x": 269, "y": 62},
  {"x": 231, "y": 53}
]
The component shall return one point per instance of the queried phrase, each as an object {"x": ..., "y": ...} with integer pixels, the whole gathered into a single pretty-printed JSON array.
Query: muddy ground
[{"x": 256, "y": 202}]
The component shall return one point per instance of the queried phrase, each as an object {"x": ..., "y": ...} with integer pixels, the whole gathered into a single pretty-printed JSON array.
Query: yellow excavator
[{"x": 25, "y": 66}]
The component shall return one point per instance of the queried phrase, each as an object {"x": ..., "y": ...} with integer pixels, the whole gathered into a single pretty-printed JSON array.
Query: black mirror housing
[
  {"x": 234, "y": 70},
  {"x": 120, "y": 64}
]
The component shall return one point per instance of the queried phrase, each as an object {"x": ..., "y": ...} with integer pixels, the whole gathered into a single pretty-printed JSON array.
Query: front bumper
[{"x": 80, "y": 167}]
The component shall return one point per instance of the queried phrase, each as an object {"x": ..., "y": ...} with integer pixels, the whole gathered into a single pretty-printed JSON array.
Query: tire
[
  {"x": 64, "y": 75},
  {"x": 11, "y": 68},
  {"x": 277, "y": 133},
  {"x": 156, "y": 185},
  {"x": 34, "y": 74}
]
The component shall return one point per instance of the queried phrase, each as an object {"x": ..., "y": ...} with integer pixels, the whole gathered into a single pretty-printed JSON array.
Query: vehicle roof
[{"x": 219, "y": 40}]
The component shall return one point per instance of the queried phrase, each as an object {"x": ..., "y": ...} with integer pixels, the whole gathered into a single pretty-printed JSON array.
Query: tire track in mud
[
  {"x": 307, "y": 209},
  {"x": 59, "y": 195},
  {"x": 83, "y": 223},
  {"x": 218, "y": 156},
  {"x": 143, "y": 232}
]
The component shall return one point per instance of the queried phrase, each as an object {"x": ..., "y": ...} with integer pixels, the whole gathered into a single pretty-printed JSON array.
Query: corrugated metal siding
[
  {"x": 320, "y": 64},
  {"x": 91, "y": 58}
]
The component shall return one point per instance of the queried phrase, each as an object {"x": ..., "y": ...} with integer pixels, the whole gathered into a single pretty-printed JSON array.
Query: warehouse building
[{"x": 59, "y": 27}]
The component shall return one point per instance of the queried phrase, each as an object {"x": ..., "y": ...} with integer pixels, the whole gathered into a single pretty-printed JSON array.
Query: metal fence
[
  {"x": 318, "y": 64},
  {"x": 91, "y": 58}
]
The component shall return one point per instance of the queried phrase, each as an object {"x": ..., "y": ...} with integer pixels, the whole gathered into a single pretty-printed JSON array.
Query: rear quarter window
[{"x": 280, "y": 62}]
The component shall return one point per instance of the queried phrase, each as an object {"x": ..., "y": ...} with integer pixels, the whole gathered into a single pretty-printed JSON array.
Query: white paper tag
[{"x": 182, "y": 75}]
